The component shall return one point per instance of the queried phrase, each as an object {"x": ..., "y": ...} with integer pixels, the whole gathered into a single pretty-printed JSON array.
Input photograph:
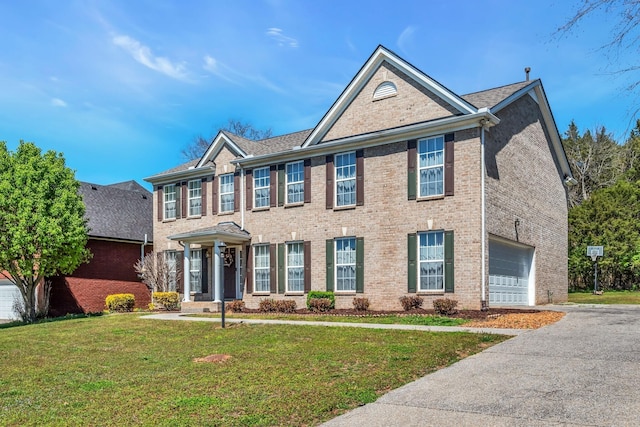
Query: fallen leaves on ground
[{"x": 518, "y": 320}]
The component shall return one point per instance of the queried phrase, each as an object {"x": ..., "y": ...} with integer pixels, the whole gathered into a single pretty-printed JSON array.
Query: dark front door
[{"x": 230, "y": 273}]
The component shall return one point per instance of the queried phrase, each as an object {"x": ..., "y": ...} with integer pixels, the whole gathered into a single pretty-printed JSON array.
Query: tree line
[{"x": 604, "y": 207}]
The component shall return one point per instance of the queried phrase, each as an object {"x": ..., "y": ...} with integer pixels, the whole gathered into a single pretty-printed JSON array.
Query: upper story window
[
  {"x": 431, "y": 166},
  {"x": 226, "y": 193},
  {"x": 295, "y": 182},
  {"x": 431, "y": 268},
  {"x": 345, "y": 167},
  {"x": 169, "y": 201},
  {"x": 261, "y": 188},
  {"x": 195, "y": 197}
]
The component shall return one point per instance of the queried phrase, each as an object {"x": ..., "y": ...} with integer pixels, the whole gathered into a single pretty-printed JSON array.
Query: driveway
[{"x": 582, "y": 371}]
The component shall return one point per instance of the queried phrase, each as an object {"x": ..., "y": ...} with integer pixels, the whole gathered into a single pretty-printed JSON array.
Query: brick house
[
  {"x": 402, "y": 188},
  {"x": 120, "y": 222}
]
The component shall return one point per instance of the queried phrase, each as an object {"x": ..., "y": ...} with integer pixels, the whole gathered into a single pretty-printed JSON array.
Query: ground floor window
[
  {"x": 346, "y": 264},
  {"x": 195, "y": 270},
  {"x": 295, "y": 267},
  {"x": 261, "y": 268},
  {"x": 171, "y": 263},
  {"x": 431, "y": 250}
]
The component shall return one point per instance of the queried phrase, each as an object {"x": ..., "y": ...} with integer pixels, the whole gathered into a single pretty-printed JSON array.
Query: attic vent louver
[{"x": 385, "y": 89}]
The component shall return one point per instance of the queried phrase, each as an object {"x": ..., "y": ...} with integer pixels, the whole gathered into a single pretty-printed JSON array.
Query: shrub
[
  {"x": 237, "y": 306},
  {"x": 445, "y": 306},
  {"x": 286, "y": 306},
  {"x": 169, "y": 300},
  {"x": 361, "y": 304},
  {"x": 268, "y": 305},
  {"x": 409, "y": 303},
  {"x": 320, "y": 304},
  {"x": 120, "y": 302},
  {"x": 321, "y": 294}
]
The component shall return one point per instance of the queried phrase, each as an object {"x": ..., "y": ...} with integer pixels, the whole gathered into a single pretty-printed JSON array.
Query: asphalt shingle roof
[
  {"x": 119, "y": 211},
  {"x": 492, "y": 97}
]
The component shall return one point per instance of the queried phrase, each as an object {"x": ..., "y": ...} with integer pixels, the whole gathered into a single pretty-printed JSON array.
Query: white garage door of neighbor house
[
  {"x": 9, "y": 293},
  {"x": 510, "y": 273}
]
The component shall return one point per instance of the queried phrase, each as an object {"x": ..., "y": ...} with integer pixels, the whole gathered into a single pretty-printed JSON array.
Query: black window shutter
[
  {"x": 359, "y": 177},
  {"x": 448, "y": 261},
  {"x": 273, "y": 181},
  {"x": 307, "y": 181},
  {"x": 179, "y": 271},
  {"x": 448, "y": 164},
  {"x": 203, "y": 208},
  {"x": 411, "y": 169},
  {"x": 216, "y": 188},
  {"x": 330, "y": 182},
  {"x": 178, "y": 200},
  {"x": 249, "y": 270},
  {"x": 329, "y": 252},
  {"x": 249, "y": 196},
  {"x": 205, "y": 271},
  {"x": 412, "y": 268},
  {"x": 236, "y": 192},
  {"x": 307, "y": 266},
  {"x": 281, "y": 185},
  {"x": 360, "y": 264},
  {"x": 160, "y": 202},
  {"x": 273, "y": 286},
  {"x": 281, "y": 268},
  {"x": 185, "y": 199}
]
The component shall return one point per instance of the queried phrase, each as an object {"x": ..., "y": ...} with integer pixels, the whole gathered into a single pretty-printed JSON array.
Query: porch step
[{"x": 200, "y": 307}]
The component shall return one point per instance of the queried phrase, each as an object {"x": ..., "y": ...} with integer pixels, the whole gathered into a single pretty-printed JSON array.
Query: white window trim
[
  {"x": 420, "y": 169},
  {"x": 267, "y": 268},
  {"x": 419, "y": 284},
  {"x": 232, "y": 193},
  {"x": 256, "y": 188},
  {"x": 287, "y": 182},
  {"x": 335, "y": 179},
  {"x": 296, "y": 291},
  {"x": 194, "y": 198},
  {"x": 195, "y": 268},
  {"x": 335, "y": 268},
  {"x": 165, "y": 193}
]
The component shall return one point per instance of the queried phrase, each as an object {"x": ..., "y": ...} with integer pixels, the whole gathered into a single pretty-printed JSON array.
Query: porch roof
[{"x": 228, "y": 232}]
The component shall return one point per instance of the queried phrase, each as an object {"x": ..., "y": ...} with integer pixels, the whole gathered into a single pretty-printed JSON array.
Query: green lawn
[
  {"x": 608, "y": 297},
  {"x": 410, "y": 319},
  {"x": 124, "y": 370}
]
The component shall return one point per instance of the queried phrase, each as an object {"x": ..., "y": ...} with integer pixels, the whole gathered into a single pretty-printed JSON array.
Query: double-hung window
[
  {"x": 171, "y": 262},
  {"x": 295, "y": 182},
  {"x": 261, "y": 268},
  {"x": 431, "y": 259},
  {"x": 226, "y": 193},
  {"x": 295, "y": 267},
  {"x": 169, "y": 201},
  {"x": 195, "y": 197},
  {"x": 261, "y": 188},
  {"x": 431, "y": 166},
  {"x": 195, "y": 271},
  {"x": 345, "y": 167},
  {"x": 345, "y": 264}
]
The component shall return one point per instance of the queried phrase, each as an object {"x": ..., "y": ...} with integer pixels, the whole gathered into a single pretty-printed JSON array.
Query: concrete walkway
[{"x": 582, "y": 371}]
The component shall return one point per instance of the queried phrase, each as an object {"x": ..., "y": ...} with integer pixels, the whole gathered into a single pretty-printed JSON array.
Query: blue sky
[{"x": 121, "y": 87}]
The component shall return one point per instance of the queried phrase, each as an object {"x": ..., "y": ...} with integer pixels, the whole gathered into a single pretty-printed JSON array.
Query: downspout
[
  {"x": 242, "y": 197},
  {"x": 483, "y": 216}
]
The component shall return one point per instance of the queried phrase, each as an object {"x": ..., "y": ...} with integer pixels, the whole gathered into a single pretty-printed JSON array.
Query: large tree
[
  {"x": 43, "y": 231},
  {"x": 199, "y": 145}
]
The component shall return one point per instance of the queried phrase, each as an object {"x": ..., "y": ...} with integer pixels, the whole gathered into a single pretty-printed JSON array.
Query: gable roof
[
  {"x": 492, "y": 97},
  {"x": 117, "y": 212}
]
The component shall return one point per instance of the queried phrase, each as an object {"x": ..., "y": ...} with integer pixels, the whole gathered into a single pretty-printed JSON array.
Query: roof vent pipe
[{"x": 527, "y": 70}]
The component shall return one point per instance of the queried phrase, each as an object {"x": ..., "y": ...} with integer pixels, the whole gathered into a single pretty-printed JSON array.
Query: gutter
[{"x": 187, "y": 173}]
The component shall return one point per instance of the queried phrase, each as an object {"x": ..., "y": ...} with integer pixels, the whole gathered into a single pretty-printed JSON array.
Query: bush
[
  {"x": 120, "y": 302},
  {"x": 169, "y": 300},
  {"x": 321, "y": 294},
  {"x": 286, "y": 306},
  {"x": 268, "y": 305},
  {"x": 320, "y": 304},
  {"x": 412, "y": 302},
  {"x": 361, "y": 304},
  {"x": 237, "y": 306},
  {"x": 445, "y": 306}
]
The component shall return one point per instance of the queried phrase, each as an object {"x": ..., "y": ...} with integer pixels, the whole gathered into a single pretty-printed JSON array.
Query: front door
[{"x": 229, "y": 273}]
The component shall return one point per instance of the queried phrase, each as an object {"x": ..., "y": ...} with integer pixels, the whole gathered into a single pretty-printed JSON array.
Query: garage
[
  {"x": 9, "y": 293},
  {"x": 511, "y": 279}
]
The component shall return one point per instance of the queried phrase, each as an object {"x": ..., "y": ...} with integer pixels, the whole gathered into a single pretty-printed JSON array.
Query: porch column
[
  {"x": 186, "y": 269},
  {"x": 218, "y": 271}
]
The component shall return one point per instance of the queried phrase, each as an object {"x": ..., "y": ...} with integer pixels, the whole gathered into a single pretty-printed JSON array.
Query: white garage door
[
  {"x": 510, "y": 274},
  {"x": 8, "y": 295}
]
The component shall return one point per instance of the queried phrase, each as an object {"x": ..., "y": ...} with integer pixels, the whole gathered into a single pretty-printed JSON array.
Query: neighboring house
[
  {"x": 386, "y": 197},
  {"x": 120, "y": 229}
]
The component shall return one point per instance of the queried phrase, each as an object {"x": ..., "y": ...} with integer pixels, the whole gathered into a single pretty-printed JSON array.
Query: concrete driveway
[{"x": 583, "y": 370}]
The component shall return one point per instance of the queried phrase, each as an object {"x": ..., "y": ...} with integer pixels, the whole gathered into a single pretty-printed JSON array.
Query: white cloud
[
  {"x": 143, "y": 55},
  {"x": 406, "y": 37},
  {"x": 57, "y": 102},
  {"x": 210, "y": 64},
  {"x": 276, "y": 34}
]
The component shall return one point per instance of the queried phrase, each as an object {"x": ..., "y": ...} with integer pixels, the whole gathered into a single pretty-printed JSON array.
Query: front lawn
[
  {"x": 124, "y": 370},
  {"x": 608, "y": 297}
]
